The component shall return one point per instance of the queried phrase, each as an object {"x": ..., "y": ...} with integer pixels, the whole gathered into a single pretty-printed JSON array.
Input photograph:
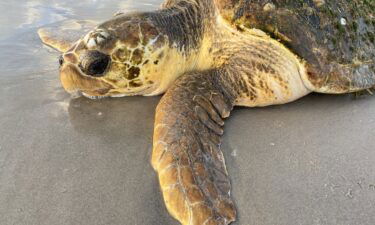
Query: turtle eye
[{"x": 94, "y": 63}]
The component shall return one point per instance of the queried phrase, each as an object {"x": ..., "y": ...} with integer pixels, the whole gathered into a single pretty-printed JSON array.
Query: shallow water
[{"x": 78, "y": 161}]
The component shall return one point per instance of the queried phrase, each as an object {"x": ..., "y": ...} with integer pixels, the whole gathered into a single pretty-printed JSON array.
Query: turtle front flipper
[
  {"x": 62, "y": 35},
  {"x": 186, "y": 150}
]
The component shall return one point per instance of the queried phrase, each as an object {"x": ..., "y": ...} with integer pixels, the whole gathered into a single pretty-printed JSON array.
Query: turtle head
[{"x": 121, "y": 57}]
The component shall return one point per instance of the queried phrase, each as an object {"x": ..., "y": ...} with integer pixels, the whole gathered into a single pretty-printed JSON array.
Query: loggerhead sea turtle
[{"x": 209, "y": 56}]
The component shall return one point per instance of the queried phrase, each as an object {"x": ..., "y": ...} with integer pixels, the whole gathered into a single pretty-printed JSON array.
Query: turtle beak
[{"x": 73, "y": 81}]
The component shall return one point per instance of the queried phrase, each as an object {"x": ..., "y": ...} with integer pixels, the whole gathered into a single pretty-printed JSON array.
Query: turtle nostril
[
  {"x": 94, "y": 63},
  {"x": 61, "y": 60}
]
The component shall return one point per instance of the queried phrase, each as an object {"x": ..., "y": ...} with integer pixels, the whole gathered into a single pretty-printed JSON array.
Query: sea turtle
[{"x": 208, "y": 56}]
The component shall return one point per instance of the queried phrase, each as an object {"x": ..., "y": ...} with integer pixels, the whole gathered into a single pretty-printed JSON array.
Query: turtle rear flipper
[
  {"x": 62, "y": 35},
  {"x": 186, "y": 150},
  {"x": 341, "y": 79}
]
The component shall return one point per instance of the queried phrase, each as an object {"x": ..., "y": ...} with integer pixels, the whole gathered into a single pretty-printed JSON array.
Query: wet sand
[{"x": 78, "y": 161}]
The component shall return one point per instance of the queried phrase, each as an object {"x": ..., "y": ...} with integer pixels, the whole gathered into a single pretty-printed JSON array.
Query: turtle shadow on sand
[
  {"x": 125, "y": 126},
  {"x": 115, "y": 117}
]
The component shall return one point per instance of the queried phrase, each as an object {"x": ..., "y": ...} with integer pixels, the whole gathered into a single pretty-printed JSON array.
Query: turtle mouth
[
  {"x": 75, "y": 82},
  {"x": 93, "y": 97}
]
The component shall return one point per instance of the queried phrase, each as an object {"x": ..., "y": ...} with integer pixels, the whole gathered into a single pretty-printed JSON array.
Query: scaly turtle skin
[{"x": 209, "y": 56}]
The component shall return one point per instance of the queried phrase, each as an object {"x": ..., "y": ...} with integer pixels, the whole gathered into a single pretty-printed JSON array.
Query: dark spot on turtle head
[
  {"x": 122, "y": 55},
  {"x": 137, "y": 56},
  {"x": 126, "y": 65},
  {"x": 161, "y": 55},
  {"x": 156, "y": 62},
  {"x": 135, "y": 83},
  {"x": 133, "y": 72},
  {"x": 146, "y": 62}
]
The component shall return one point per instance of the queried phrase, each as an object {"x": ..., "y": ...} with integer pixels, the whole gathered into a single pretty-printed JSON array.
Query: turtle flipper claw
[{"x": 206, "y": 105}]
